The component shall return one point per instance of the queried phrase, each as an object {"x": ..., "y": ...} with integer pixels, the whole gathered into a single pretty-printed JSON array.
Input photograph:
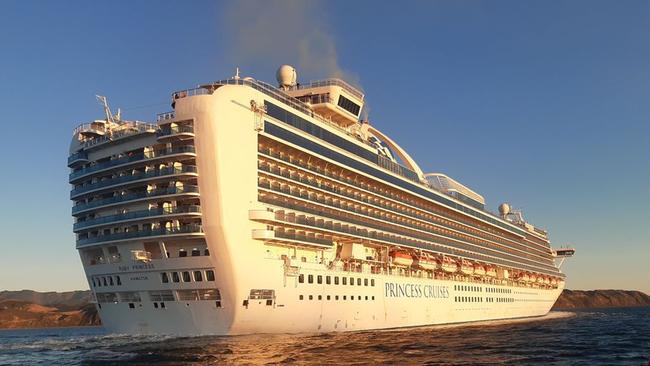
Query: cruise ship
[{"x": 250, "y": 208}]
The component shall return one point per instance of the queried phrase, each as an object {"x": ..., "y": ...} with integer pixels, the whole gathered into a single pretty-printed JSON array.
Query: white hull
[{"x": 398, "y": 302}]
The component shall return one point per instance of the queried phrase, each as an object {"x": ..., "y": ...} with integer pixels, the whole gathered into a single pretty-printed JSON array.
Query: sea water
[{"x": 584, "y": 337}]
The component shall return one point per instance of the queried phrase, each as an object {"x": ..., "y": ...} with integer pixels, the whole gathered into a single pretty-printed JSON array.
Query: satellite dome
[
  {"x": 504, "y": 209},
  {"x": 286, "y": 76}
]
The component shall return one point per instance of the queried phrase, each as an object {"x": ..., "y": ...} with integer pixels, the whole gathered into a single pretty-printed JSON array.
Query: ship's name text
[{"x": 415, "y": 290}]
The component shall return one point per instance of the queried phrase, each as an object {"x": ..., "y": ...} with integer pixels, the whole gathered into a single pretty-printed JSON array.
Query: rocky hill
[
  {"x": 577, "y": 299},
  {"x": 21, "y": 314}
]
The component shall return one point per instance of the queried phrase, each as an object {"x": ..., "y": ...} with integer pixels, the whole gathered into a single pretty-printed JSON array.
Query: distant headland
[{"x": 32, "y": 309}]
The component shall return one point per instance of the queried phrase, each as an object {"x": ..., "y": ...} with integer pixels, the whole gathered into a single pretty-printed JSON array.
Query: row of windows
[
  {"x": 336, "y": 297},
  {"x": 468, "y": 299},
  {"x": 480, "y": 299},
  {"x": 349, "y": 105},
  {"x": 321, "y": 150},
  {"x": 328, "y": 280},
  {"x": 99, "y": 281},
  {"x": 187, "y": 276},
  {"x": 468, "y": 288},
  {"x": 498, "y": 290},
  {"x": 164, "y": 295}
]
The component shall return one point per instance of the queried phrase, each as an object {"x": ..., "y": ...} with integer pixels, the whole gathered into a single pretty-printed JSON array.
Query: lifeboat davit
[
  {"x": 491, "y": 271},
  {"x": 449, "y": 265},
  {"x": 428, "y": 263},
  {"x": 479, "y": 270},
  {"x": 402, "y": 259},
  {"x": 466, "y": 267}
]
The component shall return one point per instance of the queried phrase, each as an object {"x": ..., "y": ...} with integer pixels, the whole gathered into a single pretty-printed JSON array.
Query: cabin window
[
  {"x": 310, "y": 278},
  {"x": 345, "y": 280},
  {"x": 301, "y": 278},
  {"x": 311, "y": 297},
  {"x": 209, "y": 275},
  {"x": 301, "y": 297},
  {"x": 336, "y": 297},
  {"x": 372, "y": 282},
  {"x": 373, "y": 297},
  {"x": 175, "y": 277},
  {"x": 345, "y": 297},
  {"x": 110, "y": 280},
  {"x": 164, "y": 278},
  {"x": 320, "y": 297},
  {"x": 328, "y": 297},
  {"x": 104, "y": 281},
  {"x": 328, "y": 280},
  {"x": 365, "y": 282},
  {"x": 198, "y": 276},
  {"x": 319, "y": 279},
  {"x": 196, "y": 252},
  {"x": 186, "y": 277},
  {"x": 358, "y": 281},
  {"x": 206, "y": 252},
  {"x": 336, "y": 280},
  {"x": 182, "y": 253},
  {"x": 351, "y": 281},
  {"x": 119, "y": 280}
]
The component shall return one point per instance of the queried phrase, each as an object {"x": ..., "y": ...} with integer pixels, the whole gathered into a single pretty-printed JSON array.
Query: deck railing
[{"x": 134, "y": 196}]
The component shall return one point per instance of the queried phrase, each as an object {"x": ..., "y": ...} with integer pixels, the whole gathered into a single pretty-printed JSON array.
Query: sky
[{"x": 545, "y": 105}]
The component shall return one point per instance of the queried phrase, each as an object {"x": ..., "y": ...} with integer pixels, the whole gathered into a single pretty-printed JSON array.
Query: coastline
[{"x": 35, "y": 310}]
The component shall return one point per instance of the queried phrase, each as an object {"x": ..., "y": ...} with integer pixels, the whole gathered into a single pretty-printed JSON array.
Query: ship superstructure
[{"x": 256, "y": 209}]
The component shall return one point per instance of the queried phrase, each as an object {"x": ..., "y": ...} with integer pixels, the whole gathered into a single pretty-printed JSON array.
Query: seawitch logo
[{"x": 415, "y": 290}]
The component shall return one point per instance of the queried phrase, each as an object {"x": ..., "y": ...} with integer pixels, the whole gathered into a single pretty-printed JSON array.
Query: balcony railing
[
  {"x": 176, "y": 130},
  {"x": 131, "y": 178},
  {"x": 165, "y": 116},
  {"x": 134, "y": 196},
  {"x": 78, "y": 156},
  {"x": 137, "y": 215},
  {"x": 129, "y": 159},
  {"x": 189, "y": 229}
]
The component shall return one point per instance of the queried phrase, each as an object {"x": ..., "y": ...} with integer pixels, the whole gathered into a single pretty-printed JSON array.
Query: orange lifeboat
[
  {"x": 547, "y": 281},
  {"x": 553, "y": 281},
  {"x": 540, "y": 280},
  {"x": 479, "y": 270},
  {"x": 466, "y": 267},
  {"x": 402, "y": 258},
  {"x": 428, "y": 263},
  {"x": 532, "y": 278},
  {"x": 449, "y": 265},
  {"x": 491, "y": 271}
]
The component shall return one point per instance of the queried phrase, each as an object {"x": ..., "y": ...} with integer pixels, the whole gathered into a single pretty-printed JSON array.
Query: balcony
[
  {"x": 193, "y": 210},
  {"x": 189, "y": 230},
  {"x": 179, "y": 131},
  {"x": 185, "y": 190},
  {"x": 185, "y": 170},
  {"x": 125, "y": 161},
  {"x": 78, "y": 157},
  {"x": 293, "y": 238}
]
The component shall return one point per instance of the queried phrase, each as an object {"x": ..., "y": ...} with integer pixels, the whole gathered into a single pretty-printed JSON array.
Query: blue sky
[{"x": 545, "y": 105}]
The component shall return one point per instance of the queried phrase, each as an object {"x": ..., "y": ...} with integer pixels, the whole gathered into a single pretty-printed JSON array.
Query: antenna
[
  {"x": 107, "y": 111},
  {"x": 236, "y": 77}
]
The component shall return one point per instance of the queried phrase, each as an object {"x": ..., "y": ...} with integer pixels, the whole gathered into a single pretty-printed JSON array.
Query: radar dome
[
  {"x": 504, "y": 209},
  {"x": 286, "y": 76}
]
